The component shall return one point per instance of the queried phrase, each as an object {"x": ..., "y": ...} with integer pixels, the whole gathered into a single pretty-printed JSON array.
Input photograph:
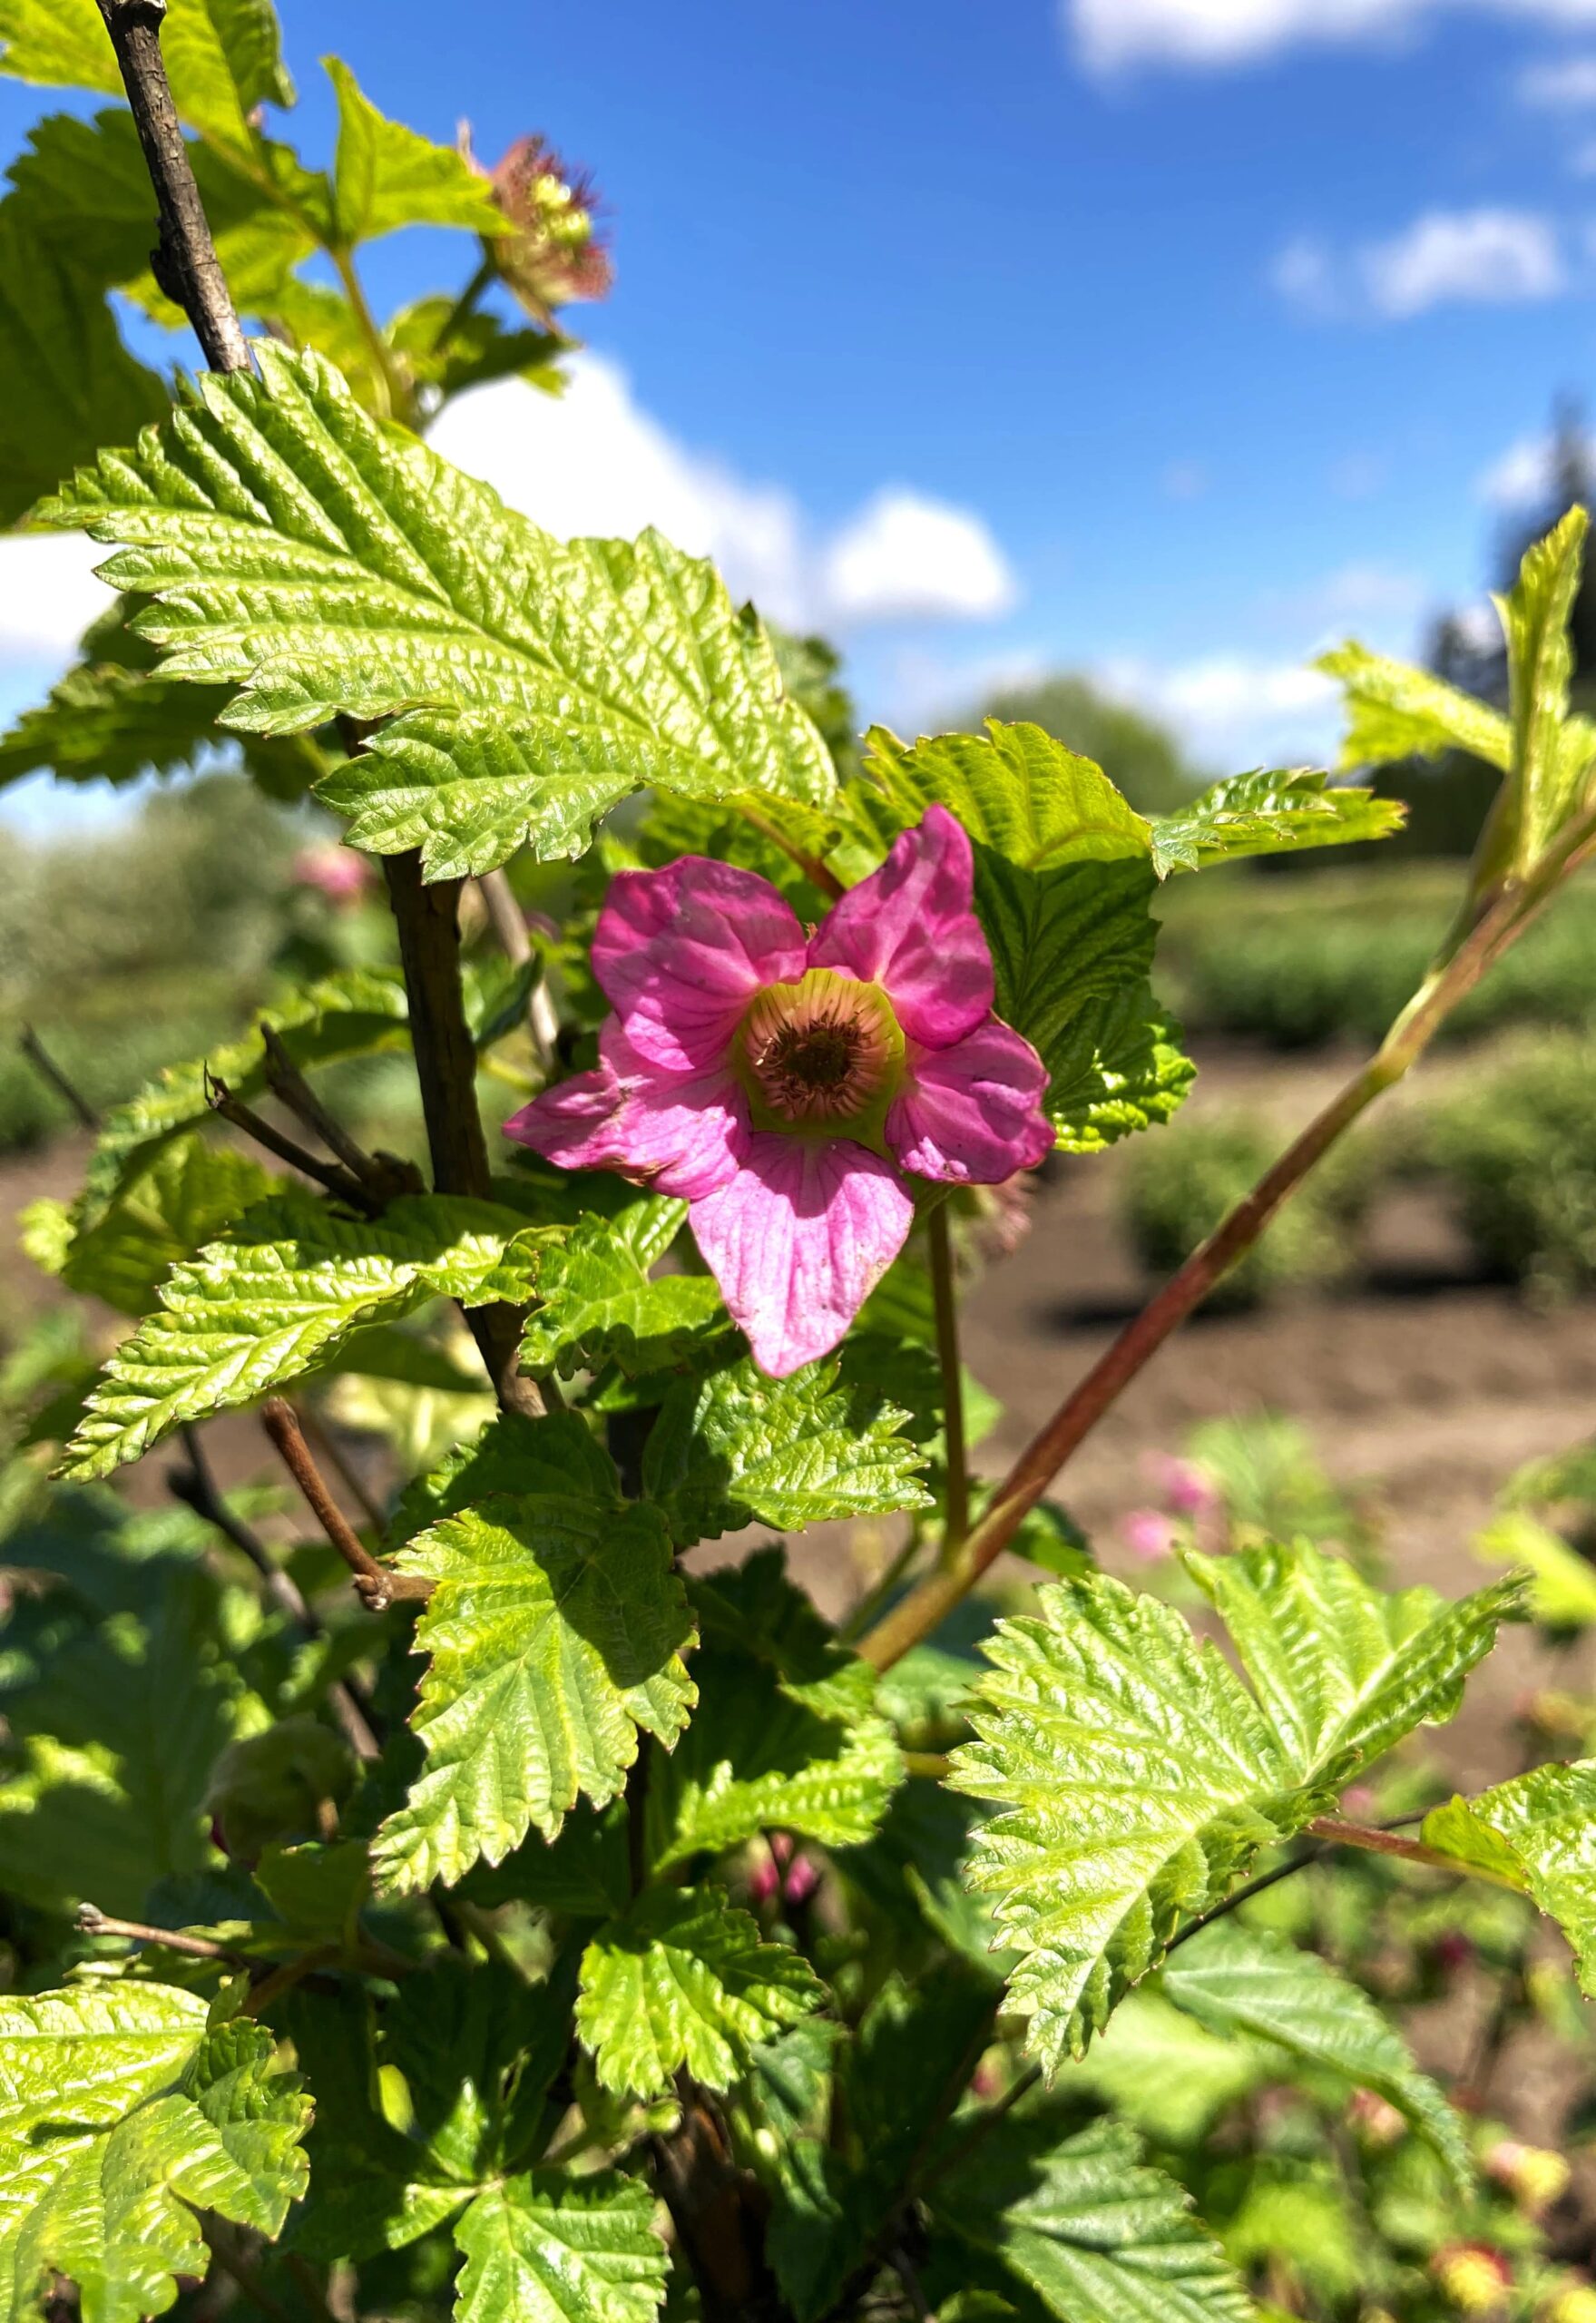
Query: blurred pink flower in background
[
  {"x": 1184, "y": 1486},
  {"x": 1149, "y": 1533},
  {"x": 338, "y": 873}
]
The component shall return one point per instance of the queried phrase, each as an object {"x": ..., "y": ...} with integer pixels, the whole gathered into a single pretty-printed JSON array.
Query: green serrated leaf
[
  {"x": 463, "y": 2056},
  {"x": 70, "y": 382},
  {"x": 596, "y": 1304},
  {"x": 555, "y": 1633},
  {"x": 121, "y": 2117},
  {"x": 549, "y": 2248},
  {"x": 916, "y": 2048},
  {"x": 387, "y": 176},
  {"x": 682, "y": 1980},
  {"x": 1536, "y": 1833},
  {"x": 116, "y": 1736},
  {"x": 1245, "y": 1982},
  {"x": 1344, "y": 1670},
  {"x": 769, "y": 1750},
  {"x": 1083, "y": 2225},
  {"x": 1550, "y": 762},
  {"x": 223, "y": 57},
  {"x": 1394, "y": 712},
  {"x": 299, "y": 553},
  {"x": 190, "y": 1193},
  {"x": 556, "y": 1460},
  {"x": 1064, "y": 879},
  {"x": 1137, "y": 1779},
  {"x": 1269, "y": 813},
  {"x": 358, "y": 1012},
  {"x": 279, "y": 1296},
  {"x": 737, "y": 1446}
]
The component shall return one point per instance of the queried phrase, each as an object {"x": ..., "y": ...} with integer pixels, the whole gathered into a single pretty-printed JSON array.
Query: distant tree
[{"x": 1134, "y": 750}]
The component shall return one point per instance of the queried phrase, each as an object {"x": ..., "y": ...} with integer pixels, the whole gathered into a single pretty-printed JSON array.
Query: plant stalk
[
  {"x": 185, "y": 263},
  {"x": 945, "y": 1295},
  {"x": 1453, "y": 977}
]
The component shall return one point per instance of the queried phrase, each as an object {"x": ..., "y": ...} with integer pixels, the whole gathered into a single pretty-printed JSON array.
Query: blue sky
[{"x": 1164, "y": 339}]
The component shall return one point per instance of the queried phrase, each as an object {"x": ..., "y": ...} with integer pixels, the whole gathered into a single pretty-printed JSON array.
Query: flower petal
[
  {"x": 682, "y": 950},
  {"x": 972, "y": 1113},
  {"x": 910, "y": 928},
  {"x": 798, "y": 1238},
  {"x": 682, "y": 1133}
]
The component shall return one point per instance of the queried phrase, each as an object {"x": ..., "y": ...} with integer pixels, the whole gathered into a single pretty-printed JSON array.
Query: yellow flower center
[{"x": 820, "y": 1054}]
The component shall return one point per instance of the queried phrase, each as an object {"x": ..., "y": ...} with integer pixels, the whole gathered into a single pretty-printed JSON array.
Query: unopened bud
[
  {"x": 1533, "y": 2175},
  {"x": 552, "y": 251},
  {"x": 1474, "y": 2278},
  {"x": 1375, "y": 2120}
]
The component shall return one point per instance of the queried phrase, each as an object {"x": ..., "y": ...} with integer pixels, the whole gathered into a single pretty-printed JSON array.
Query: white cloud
[
  {"x": 905, "y": 558},
  {"x": 48, "y": 596},
  {"x": 1487, "y": 257},
  {"x": 1359, "y": 595},
  {"x": 1110, "y": 36},
  {"x": 1526, "y": 472},
  {"x": 594, "y": 461},
  {"x": 1558, "y": 83},
  {"x": 1233, "y": 709}
]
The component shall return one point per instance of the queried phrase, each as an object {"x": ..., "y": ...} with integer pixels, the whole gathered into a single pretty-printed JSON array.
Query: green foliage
[
  {"x": 1398, "y": 712},
  {"x": 1103, "y": 1714},
  {"x": 531, "y": 734},
  {"x": 387, "y": 176},
  {"x": 1537, "y": 1833},
  {"x": 1515, "y": 1148},
  {"x": 554, "y": 1630},
  {"x": 1063, "y": 883},
  {"x": 188, "y": 1195},
  {"x": 1268, "y": 814},
  {"x": 1177, "y": 1190},
  {"x": 280, "y": 1296},
  {"x": 123, "y": 2114},
  {"x": 1080, "y": 2225},
  {"x": 735, "y": 1447},
  {"x": 1245, "y": 1983},
  {"x": 555, "y": 2249},
  {"x": 682, "y": 1980},
  {"x": 785, "y": 1738},
  {"x": 1139, "y": 756},
  {"x": 597, "y": 1304}
]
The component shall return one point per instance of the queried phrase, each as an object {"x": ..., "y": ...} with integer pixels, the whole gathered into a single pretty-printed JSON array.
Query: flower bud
[
  {"x": 553, "y": 252},
  {"x": 1374, "y": 2119},
  {"x": 1533, "y": 2175},
  {"x": 1186, "y": 1484},
  {"x": 1149, "y": 1533},
  {"x": 1474, "y": 2278}
]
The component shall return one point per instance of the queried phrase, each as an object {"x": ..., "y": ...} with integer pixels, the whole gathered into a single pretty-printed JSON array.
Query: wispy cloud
[
  {"x": 1558, "y": 83},
  {"x": 1486, "y": 257},
  {"x": 1113, "y": 35}
]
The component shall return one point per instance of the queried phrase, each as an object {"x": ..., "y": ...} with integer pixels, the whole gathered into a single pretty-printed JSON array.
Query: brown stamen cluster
[{"x": 812, "y": 1070}]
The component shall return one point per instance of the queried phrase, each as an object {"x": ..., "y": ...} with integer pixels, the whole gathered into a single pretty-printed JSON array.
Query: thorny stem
[
  {"x": 376, "y": 1586},
  {"x": 1449, "y": 981},
  {"x": 197, "y": 1487},
  {"x": 945, "y": 1294},
  {"x": 186, "y": 264},
  {"x": 382, "y": 1179},
  {"x": 320, "y": 1441},
  {"x": 44, "y": 1063}
]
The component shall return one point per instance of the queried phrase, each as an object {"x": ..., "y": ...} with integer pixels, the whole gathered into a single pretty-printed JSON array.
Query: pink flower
[
  {"x": 1188, "y": 1487},
  {"x": 341, "y": 875},
  {"x": 1150, "y": 1534},
  {"x": 782, "y": 1085}
]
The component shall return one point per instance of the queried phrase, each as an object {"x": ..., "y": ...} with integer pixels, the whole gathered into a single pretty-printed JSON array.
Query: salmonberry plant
[{"x": 491, "y": 1906}]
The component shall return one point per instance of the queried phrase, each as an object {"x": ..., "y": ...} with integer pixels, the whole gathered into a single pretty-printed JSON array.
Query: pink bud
[
  {"x": 1149, "y": 1533},
  {"x": 801, "y": 1881},
  {"x": 337, "y": 872},
  {"x": 1184, "y": 1484},
  {"x": 1359, "y": 1802}
]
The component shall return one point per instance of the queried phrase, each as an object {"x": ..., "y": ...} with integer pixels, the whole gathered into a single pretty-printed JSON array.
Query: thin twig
[
  {"x": 1448, "y": 982},
  {"x": 509, "y": 926},
  {"x": 239, "y": 2273},
  {"x": 1376, "y": 1840},
  {"x": 945, "y": 1294},
  {"x": 291, "y": 1973},
  {"x": 185, "y": 263},
  {"x": 331, "y": 1174},
  {"x": 311, "y": 2290},
  {"x": 43, "y": 1063},
  {"x": 383, "y": 1178},
  {"x": 982, "y": 2127},
  {"x": 378, "y": 1587},
  {"x": 1242, "y": 1895},
  {"x": 321, "y": 1441},
  {"x": 198, "y": 1488},
  {"x": 93, "y": 1921}
]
